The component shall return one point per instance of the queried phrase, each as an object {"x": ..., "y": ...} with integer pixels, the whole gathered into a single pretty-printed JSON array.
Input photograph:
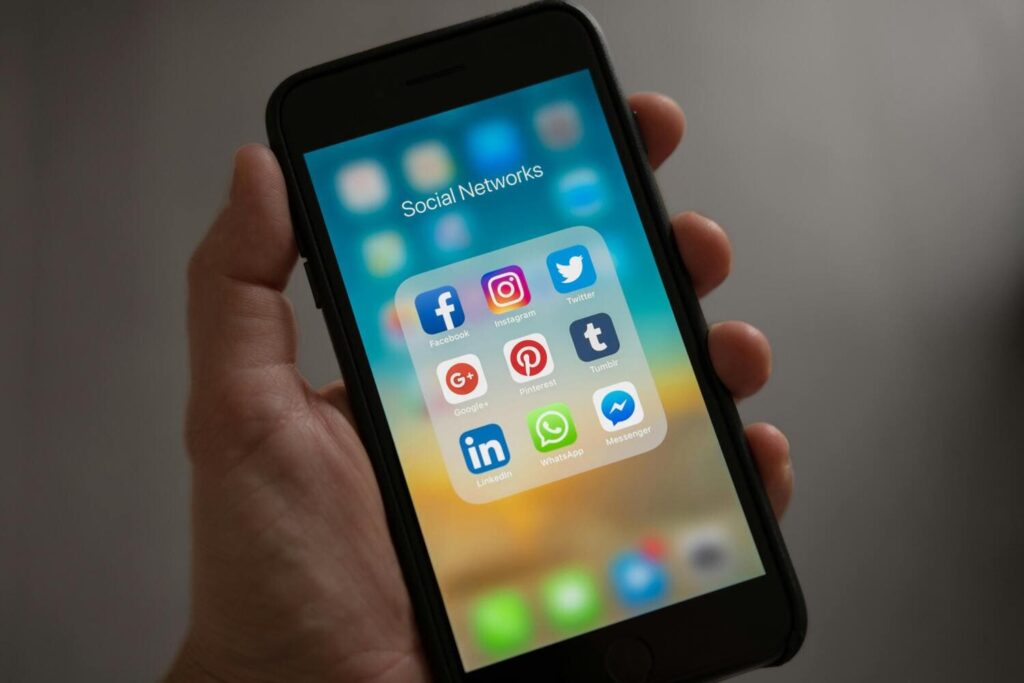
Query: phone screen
[{"x": 561, "y": 460}]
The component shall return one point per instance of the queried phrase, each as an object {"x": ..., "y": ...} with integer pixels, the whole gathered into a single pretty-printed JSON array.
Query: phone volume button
[
  {"x": 639, "y": 133},
  {"x": 312, "y": 283}
]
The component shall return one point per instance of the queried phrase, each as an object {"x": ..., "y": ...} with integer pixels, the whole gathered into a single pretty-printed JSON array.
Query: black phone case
[{"x": 409, "y": 547}]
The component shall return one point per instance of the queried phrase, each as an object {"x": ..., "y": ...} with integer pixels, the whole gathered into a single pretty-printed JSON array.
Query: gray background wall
[{"x": 867, "y": 158}]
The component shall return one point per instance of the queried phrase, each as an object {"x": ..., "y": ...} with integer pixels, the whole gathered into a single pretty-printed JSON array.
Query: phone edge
[{"x": 439, "y": 652}]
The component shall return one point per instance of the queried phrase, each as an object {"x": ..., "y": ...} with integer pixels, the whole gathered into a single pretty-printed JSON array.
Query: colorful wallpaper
[{"x": 562, "y": 464}]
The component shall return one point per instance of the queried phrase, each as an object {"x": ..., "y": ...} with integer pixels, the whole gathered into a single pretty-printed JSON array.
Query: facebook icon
[
  {"x": 484, "y": 448},
  {"x": 440, "y": 310},
  {"x": 594, "y": 337}
]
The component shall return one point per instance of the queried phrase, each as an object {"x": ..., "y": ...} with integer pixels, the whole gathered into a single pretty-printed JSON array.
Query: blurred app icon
[
  {"x": 384, "y": 253},
  {"x": 581, "y": 193},
  {"x": 494, "y": 146},
  {"x": 505, "y": 289},
  {"x": 618, "y": 406},
  {"x": 558, "y": 125},
  {"x": 484, "y": 448},
  {"x": 501, "y": 622},
  {"x": 551, "y": 427},
  {"x": 571, "y": 268},
  {"x": 528, "y": 358},
  {"x": 451, "y": 232},
  {"x": 708, "y": 551},
  {"x": 439, "y": 310},
  {"x": 462, "y": 378},
  {"x": 638, "y": 580},
  {"x": 362, "y": 186},
  {"x": 428, "y": 166},
  {"x": 571, "y": 600},
  {"x": 594, "y": 337},
  {"x": 653, "y": 547},
  {"x": 391, "y": 326}
]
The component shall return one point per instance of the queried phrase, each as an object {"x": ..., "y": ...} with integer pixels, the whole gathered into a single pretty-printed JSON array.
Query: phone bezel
[{"x": 754, "y": 623}]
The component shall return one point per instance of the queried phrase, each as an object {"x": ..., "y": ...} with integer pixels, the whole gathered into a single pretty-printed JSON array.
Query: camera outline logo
[
  {"x": 462, "y": 378},
  {"x": 505, "y": 289}
]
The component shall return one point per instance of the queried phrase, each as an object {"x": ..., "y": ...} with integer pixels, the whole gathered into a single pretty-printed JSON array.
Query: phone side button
[
  {"x": 629, "y": 661},
  {"x": 312, "y": 283},
  {"x": 639, "y": 133}
]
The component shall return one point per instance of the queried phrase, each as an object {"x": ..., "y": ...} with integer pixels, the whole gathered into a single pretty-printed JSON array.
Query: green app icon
[
  {"x": 572, "y": 601},
  {"x": 501, "y": 622},
  {"x": 551, "y": 427}
]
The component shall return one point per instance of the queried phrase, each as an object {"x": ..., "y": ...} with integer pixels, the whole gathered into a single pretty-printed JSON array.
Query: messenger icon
[{"x": 618, "y": 406}]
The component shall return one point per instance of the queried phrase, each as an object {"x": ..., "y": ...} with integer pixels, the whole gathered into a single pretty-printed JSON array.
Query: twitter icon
[{"x": 571, "y": 268}]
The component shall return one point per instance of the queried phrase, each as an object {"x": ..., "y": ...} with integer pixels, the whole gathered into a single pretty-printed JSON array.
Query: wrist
[{"x": 191, "y": 665}]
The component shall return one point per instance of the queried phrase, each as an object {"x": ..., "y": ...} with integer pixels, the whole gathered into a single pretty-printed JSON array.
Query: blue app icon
[
  {"x": 581, "y": 193},
  {"x": 494, "y": 146},
  {"x": 571, "y": 268},
  {"x": 440, "y": 310},
  {"x": 618, "y": 406},
  {"x": 484, "y": 448},
  {"x": 594, "y": 337},
  {"x": 638, "y": 579}
]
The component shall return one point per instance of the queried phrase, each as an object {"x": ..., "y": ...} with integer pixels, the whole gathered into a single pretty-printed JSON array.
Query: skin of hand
[{"x": 294, "y": 577}]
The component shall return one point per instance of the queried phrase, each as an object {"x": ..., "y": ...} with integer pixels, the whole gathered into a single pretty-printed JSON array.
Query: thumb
[{"x": 239, "y": 321}]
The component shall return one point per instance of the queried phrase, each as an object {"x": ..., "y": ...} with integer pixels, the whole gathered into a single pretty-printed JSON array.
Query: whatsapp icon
[{"x": 551, "y": 427}]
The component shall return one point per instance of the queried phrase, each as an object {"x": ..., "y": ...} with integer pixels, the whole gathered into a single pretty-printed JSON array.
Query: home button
[{"x": 629, "y": 661}]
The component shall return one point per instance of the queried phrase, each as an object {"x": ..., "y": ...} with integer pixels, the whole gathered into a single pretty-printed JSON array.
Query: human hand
[{"x": 293, "y": 573}]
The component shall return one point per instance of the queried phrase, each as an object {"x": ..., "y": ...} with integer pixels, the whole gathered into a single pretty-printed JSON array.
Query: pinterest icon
[{"x": 528, "y": 358}]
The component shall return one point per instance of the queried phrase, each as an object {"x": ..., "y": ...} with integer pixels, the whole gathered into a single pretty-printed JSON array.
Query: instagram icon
[{"x": 505, "y": 289}]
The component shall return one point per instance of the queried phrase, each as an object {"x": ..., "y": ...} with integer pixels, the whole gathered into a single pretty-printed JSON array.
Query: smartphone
[{"x": 566, "y": 481}]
